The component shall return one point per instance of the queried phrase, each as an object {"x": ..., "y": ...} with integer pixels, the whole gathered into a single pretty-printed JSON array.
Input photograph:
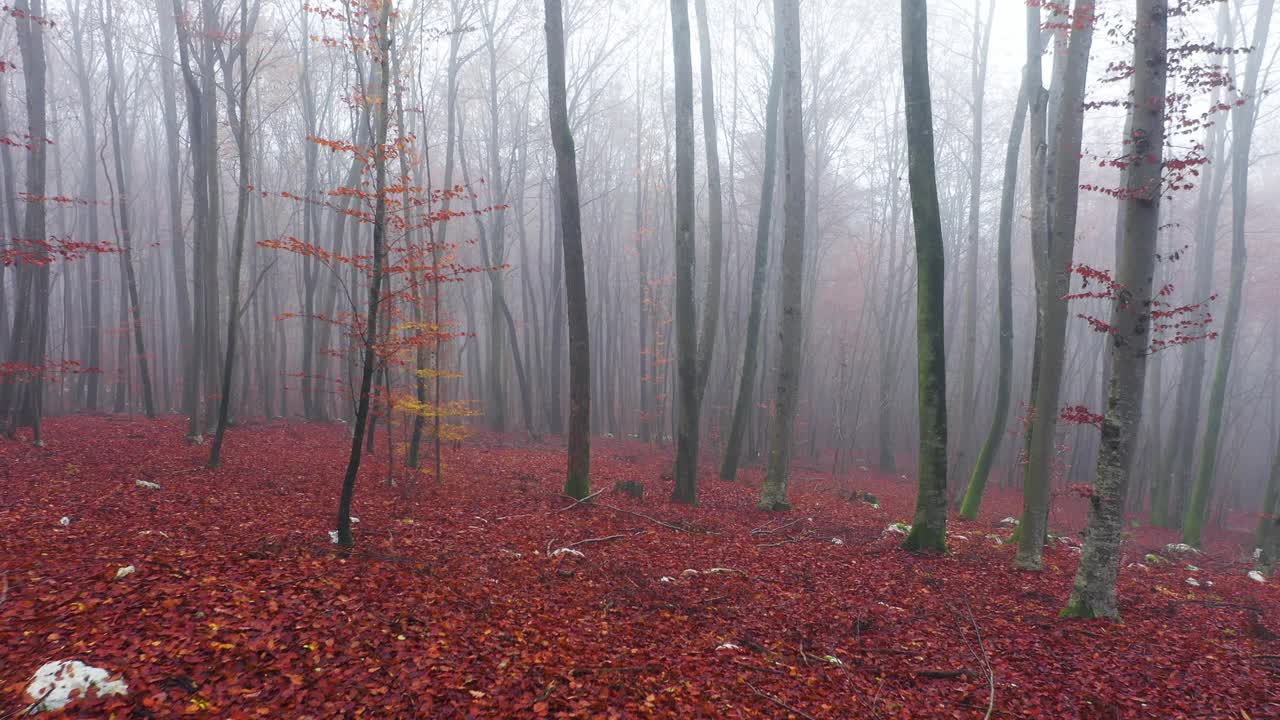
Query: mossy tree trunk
[
  {"x": 1094, "y": 593},
  {"x": 929, "y": 529}
]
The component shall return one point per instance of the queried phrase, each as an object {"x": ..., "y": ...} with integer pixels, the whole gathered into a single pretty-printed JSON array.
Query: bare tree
[{"x": 577, "y": 481}]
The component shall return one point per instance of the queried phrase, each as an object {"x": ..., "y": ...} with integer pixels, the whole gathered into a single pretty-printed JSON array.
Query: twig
[
  {"x": 984, "y": 659},
  {"x": 595, "y": 540},
  {"x": 667, "y": 525},
  {"x": 576, "y": 503},
  {"x": 766, "y": 530},
  {"x": 780, "y": 704}
]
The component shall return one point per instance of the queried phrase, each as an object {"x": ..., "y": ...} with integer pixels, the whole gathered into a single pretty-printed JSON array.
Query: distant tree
[
  {"x": 240, "y": 121},
  {"x": 687, "y": 405},
  {"x": 122, "y": 218},
  {"x": 1129, "y": 331},
  {"x": 1243, "y": 119},
  {"x": 773, "y": 496},
  {"x": 1004, "y": 292},
  {"x": 745, "y": 398},
  {"x": 929, "y": 529},
  {"x": 577, "y": 481}
]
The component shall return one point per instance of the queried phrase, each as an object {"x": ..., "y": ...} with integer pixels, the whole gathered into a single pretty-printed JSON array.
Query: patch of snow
[
  {"x": 727, "y": 646},
  {"x": 147, "y": 484},
  {"x": 1256, "y": 576},
  {"x": 1075, "y": 549},
  {"x": 959, "y": 537},
  {"x": 57, "y": 683},
  {"x": 837, "y": 541},
  {"x": 898, "y": 528},
  {"x": 567, "y": 551},
  {"x": 1011, "y": 521},
  {"x": 723, "y": 571},
  {"x": 666, "y": 578},
  {"x": 1193, "y": 582},
  {"x": 1257, "y": 553},
  {"x": 1181, "y": 548},
  {"x": 65, "y": 521},
  {"x": 333, "y": 536},
  {"x": 354, "y": 519},
  {"x": 125, "y": 572},
  {"x": 1138, "y": 565},
  {"x": 689, "y": 572}
]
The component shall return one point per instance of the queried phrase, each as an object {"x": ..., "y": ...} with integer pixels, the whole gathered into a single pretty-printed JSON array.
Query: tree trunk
[
  {"x": 929, "y": 529},
  {"x": 715, "y": 205},
  {"x": 577, "y": 481},
  {"x": 1094, "y": 593},
  {"x": 773, "y": 496},
  {"x": 745, "y": 401},
  {"x": 687, "y": 405},
  {"x": 369, "y": 363},
  {"x": 1055, "y": 285},
  {"x": 1004, "y": 271},
  {"x": 241, "y": 127}
]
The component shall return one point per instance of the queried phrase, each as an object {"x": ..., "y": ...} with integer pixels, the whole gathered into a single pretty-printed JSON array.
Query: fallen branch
[
  {"x": 779, "y": 703},
  {"x": 766, "y": 530},
  {"x": 667, "y": 525},
  {"x": 576, "y": 503}
]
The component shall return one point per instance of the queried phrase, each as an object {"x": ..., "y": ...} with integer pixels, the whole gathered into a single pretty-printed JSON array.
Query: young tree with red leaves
[
  {"x": 786, "y": 18},
  {"x": 577, "y": 481},
  {"x": 380, "y": 116},
  {"x": 929, "y": 528},
  {"x": 1094, "y": 594}
]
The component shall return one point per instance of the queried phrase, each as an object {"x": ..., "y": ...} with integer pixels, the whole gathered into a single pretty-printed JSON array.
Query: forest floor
[{"x": 453, "y": 604}]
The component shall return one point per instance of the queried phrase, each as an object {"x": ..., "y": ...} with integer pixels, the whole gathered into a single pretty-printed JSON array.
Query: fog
[{"x": 219, "y": 185}]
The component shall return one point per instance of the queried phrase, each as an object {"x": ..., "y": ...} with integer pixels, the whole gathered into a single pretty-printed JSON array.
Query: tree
[
  {"x": 687, "y": 406},
  {"x": 122, "y": 219},
  {"x": 773, "y": 496},
  {"x": 1053, "y": 284},
  {"x": 929, "y": 529},
  {"x": 1004, "y": 281},
  {"x": 751, "y": 353},
  {"x": 239, "y": 120},
  {"x": 1243, "y": 118},
  {"x": 715, "y": 204},
  {"x": 21, "y": 403},
  {"x": 577, "y": 481},
  {"x": 1132, "y": 309},
  {"x": 382, "y": 39}
]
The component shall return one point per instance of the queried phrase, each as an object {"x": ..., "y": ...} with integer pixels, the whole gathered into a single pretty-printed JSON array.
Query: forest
[{"x": 639, "y": 359}]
